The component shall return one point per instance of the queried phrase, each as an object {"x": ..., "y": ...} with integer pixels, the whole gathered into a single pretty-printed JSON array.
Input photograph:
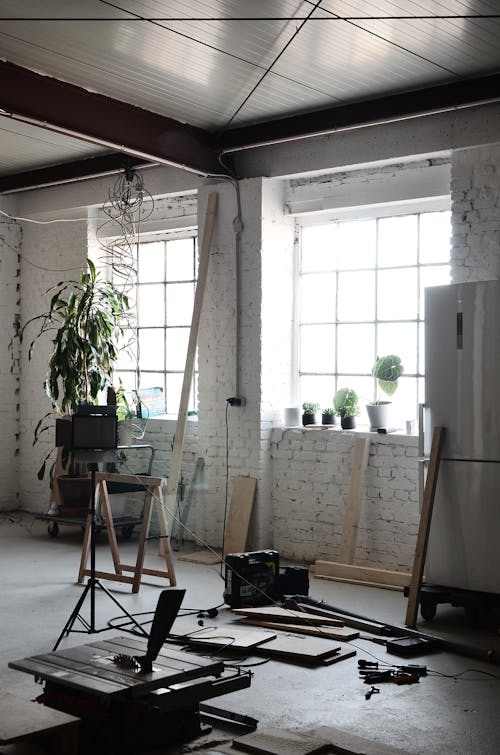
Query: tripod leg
[
  {"x": 126, "y": 613},
  {"x": 73, "y": 616}
]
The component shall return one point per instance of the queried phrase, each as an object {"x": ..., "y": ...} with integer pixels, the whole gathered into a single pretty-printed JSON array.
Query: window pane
[
  {"x": 435, "y": 234},
  {"x": 356, "y": 348},
  {"x": 176, "y": 345},
  {"x": 397, "y": 294},
  {"x": 180, "y": 298},
  {"x": 421, "y": 349},
  {"x": 174, "y": 390},
  {"x": 397, "y": 241},
  {"x": 151, "y": 304},
  {"x": 356, "y": 296},
  {"x": 317, "y": 348},
  {"x": 151, "y": 262},
  {"x": 356, "y": 244},
  {"x": 317, "y": 297},
  {"x": 318, "y": 248},
  {"x": 128, "y": 350},
  {"x": 180, "y": 260},
  {"x": 152, "y": 349},
  {"x": 317, "y": 390},
  {"x": 435, "y": 275},
  {"x": 404, "y": 402},
  {"x": 401, "y": 339}
]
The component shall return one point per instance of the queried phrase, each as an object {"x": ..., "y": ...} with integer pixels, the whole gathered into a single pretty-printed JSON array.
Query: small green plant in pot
[
  {"x": 310, "y": 413},
  {"x": 387, "y": 370},
  {"x": 328, "y": 416},
  {"x": 346, "y": 404}
]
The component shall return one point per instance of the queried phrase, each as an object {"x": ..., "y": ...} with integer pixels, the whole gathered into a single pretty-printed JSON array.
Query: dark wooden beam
[
  {"x": 92, "y": 167},
  {"x": 384, "y": 109},
  {"x": 51, "y": 103}
]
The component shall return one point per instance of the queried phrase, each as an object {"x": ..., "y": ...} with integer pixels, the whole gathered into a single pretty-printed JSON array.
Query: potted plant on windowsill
[
  {"x": 328, "y": 416},
  {"x": 346, "y": 404},
  {"x": 387, "y": 370},
  {"x": 85, "y": 320},
  {"x": 310, "y": 413}
]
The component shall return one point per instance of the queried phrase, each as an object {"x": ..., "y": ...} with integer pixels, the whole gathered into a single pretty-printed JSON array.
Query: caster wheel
[
  {"x": 428, "y": 610},
  {"x": 53, "y": 529},
  {"x": 127, "y": 531}
]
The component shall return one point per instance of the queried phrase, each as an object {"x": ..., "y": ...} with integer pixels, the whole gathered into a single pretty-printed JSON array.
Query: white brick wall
[
  {"x": 10, "y": 246},
  {"x": 475, "y": 194},
  {"x": 311, "y": 479}
]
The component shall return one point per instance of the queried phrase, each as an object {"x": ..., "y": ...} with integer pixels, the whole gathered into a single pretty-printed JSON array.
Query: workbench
[{"x": 124, "y": 710}]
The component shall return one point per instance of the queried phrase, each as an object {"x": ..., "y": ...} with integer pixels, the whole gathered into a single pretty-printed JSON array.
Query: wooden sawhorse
[{"x": 152, "y": 488}]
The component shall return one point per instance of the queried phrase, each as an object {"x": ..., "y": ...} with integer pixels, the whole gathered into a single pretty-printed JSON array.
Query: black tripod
[{"x": 93, "y": 582}]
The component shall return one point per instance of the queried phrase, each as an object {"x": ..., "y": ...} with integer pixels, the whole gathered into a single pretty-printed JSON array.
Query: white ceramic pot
[{"x": 379, "y": 415}]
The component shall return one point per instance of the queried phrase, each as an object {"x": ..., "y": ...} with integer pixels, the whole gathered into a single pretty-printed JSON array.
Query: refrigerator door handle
[{"x": 460, "y": 330}]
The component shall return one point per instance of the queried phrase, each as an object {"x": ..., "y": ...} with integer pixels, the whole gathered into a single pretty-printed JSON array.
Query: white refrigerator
[{"x": 462, "y": 394}]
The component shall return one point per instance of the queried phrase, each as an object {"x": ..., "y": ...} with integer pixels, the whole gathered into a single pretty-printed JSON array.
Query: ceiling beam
[
  {"x": 56, "y": 105},
  {"x": 92, "y": 167},
  {"x": 382, "y": 110}
]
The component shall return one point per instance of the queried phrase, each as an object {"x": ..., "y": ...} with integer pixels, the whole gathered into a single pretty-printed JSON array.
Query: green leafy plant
[
  {"x": 310, "y": 408},
  {"x": 86, "y": 320},
  {"x": 330, "y": 411},
  {"x": 346, "y": 402},
  {"x": 387, "y": 370}
]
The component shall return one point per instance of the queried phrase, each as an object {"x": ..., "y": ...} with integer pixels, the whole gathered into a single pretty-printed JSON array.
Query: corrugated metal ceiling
[{"x": 219, "y": 64}]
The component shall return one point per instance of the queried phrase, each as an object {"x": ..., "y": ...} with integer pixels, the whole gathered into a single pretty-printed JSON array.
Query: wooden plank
[
  {"x": 359, "y": 462},
  {"x": 424, "y": 526},
  {"x": 365, "y": 574},
  {"x": 238, "y": 518},
  {"x": 331, "y": 633},
  {"x": 180, "y": 429},
  {"x": 275, "y": 613},
  {"x": 360, "y": 582}
]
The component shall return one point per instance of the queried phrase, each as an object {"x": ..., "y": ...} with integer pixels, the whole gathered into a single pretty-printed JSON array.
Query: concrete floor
[{"x": 452, "y": 710}]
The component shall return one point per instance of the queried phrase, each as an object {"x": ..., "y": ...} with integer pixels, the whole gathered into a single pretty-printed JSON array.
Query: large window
[
  {"x": 361, "y": 294},
  {"x": 163, "y": 296}
]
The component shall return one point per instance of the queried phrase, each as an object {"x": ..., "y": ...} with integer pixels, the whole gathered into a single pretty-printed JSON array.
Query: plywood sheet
[
  {"x": 271, "y": 741},
  {"x": 331, "y": 633},
  {"x": 299, "y": 648},
  {"x": 23, "y": 718},
  {"x": 287, "y": 615},
  {"x": 230, "y": 635},
  {"x": 201, "y": 557},
  {"x": 238, "y": 518}
]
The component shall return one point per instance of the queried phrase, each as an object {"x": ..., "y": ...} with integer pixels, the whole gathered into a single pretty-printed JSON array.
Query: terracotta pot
[{"x": 74, "y": 495}]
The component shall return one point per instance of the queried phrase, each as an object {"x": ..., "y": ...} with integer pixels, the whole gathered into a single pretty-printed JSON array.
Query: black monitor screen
[{"x": 94, "y": 431}]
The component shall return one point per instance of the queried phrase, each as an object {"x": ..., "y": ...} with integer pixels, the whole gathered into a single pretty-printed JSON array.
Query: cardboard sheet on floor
[
  {"x": 331, "y": 633},
  {"x": 275, "y": 613}
]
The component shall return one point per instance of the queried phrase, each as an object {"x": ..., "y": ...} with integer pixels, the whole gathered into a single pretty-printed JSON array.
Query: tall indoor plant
[{"x": 86, "y": 320}]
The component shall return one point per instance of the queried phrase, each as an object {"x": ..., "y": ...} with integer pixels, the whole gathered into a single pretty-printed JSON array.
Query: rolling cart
[{"x": 124, "y": 523}]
